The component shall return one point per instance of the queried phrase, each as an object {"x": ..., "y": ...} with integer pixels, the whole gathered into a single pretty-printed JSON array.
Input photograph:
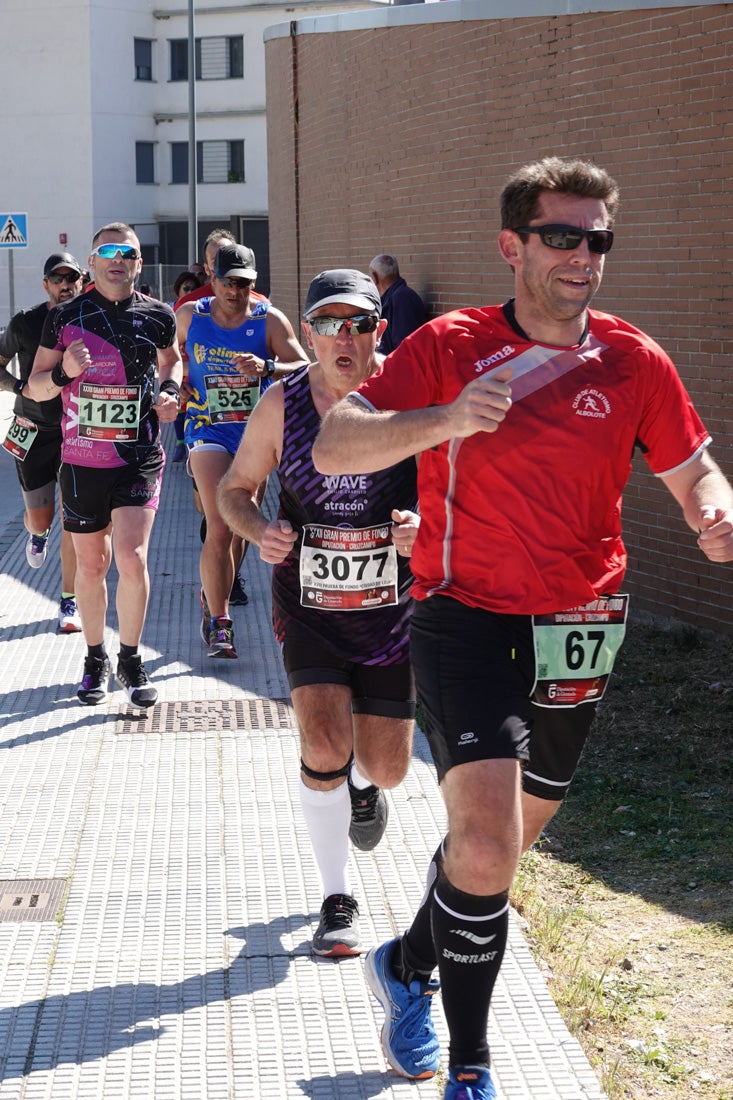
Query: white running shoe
[
  {"x": 69, "y": 618},
  {"x": 36, "y": 549}
]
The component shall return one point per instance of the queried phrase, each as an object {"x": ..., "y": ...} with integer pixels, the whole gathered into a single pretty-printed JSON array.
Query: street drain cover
[
  {"x": 202, "y": 715},
  {"x": 30, "y": 899}
]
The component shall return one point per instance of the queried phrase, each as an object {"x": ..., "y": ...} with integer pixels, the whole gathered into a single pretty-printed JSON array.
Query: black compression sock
[
  {"x": 414, "y": 956},
  {"x": 470, "y": 933}
]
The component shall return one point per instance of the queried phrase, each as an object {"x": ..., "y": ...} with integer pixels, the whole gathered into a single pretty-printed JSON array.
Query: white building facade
[{"x": 95, "y": 124}]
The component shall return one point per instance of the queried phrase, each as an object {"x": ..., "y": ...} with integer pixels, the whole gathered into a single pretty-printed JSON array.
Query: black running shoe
[
  {"x": 338, "y": 930},
  {"x": 93, "y": 688},
  {"x": 369, "y": 814},
  {"x": 238, "y": 597},
  {"x": 132, "y": 678},
  {"x": 221, "y": 638}
]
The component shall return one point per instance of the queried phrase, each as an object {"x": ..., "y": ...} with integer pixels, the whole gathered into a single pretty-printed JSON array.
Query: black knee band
[{"x": 326, "y": 777}]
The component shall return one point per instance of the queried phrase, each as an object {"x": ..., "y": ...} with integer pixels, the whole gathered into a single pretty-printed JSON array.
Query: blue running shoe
[
  {"x": 470, "y": 1083},
  {"x": 409, "y": 1041}
]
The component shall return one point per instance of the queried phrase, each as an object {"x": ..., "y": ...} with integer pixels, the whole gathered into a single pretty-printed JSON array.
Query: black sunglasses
[
  {"x": 232, "y": 282},
  {"x": 331, "y": 326},
  {"x": 57, "y": 279},
  {"x": 568, "y": 237}
]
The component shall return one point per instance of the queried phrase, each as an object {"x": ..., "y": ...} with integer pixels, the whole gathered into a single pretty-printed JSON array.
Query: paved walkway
[{"x": 158, "y": 889}]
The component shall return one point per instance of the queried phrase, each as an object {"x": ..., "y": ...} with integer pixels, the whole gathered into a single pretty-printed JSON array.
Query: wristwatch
[
  {"x": 18, "y": 386},
  {"x": 270, "y": 367}
]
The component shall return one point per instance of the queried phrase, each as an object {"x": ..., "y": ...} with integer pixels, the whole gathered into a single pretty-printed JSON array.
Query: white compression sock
[{"x": 328, "y": 817}]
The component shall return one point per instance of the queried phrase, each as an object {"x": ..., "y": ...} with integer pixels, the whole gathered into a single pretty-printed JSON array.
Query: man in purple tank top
[{"x": 341, "y": 602}]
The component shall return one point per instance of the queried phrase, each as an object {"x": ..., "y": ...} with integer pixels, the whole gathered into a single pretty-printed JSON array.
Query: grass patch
[{"x": 629, "y": 897}]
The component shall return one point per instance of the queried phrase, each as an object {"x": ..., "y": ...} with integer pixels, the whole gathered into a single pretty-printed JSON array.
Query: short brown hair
[
  {"x": 521, "y": 193},
  {"x": 216, "y": 236},
  {"x": 114, "y": 227}
]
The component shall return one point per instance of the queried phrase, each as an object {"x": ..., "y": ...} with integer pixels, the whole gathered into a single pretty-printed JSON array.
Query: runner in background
[
  {"x": 235, "y": 347},
  {"x": 34, "y": 437},
  {"x": 214, "y": 241},
  {"x": 100, "y": 353}
]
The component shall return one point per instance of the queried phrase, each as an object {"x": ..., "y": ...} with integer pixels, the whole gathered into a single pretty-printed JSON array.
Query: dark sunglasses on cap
[
  {"x": 110, "y": 251},
  {"x": 57, "y": 278},
  {"x": 331, "y": 326},
  {"x": 231, "y": 282},
  {"x": 568, "y": 237}
]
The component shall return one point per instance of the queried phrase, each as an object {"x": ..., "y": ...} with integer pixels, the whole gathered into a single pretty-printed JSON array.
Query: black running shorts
[
  {"x": 40, "y": 466},
  {"x": 384, "y": 690},
  {"x": 91, "y": 495},
  {"x": 475, "y": 670}
]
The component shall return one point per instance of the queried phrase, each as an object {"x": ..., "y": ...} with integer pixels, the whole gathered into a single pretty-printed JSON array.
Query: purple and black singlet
[{"x": 343, "y": 580}]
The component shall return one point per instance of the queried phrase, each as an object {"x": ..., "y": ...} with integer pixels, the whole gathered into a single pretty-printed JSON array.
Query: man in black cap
[
  {"x": 232, "y": 344},
  {"x": 340, "y": 592},
  {"x": 212, "y": 244},
  {"x": 34, "y": 437},
  {"x": 205, "y": 271}
]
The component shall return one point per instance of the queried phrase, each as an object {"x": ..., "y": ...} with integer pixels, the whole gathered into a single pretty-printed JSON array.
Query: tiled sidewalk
[{"x": 175, "y": 961}]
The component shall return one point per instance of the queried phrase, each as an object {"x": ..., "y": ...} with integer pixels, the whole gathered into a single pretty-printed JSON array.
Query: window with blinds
[
  {"x": 218, "y": 57},
  {"x": 216, "y": 162}
]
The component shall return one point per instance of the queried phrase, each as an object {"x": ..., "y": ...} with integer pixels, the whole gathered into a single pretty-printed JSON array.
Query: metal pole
[
  {"x": 192, "y": 205},
  {"x": 11, "y": 281}
]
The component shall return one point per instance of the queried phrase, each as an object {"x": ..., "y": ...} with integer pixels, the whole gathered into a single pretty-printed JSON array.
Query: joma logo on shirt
[
  {"x": 355, "y": 483},
  {"x": 502, "y": 353}
]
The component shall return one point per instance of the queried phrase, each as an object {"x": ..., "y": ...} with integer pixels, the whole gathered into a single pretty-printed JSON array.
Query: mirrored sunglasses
[
  {"x": 111, "y": 251},
  {"x": 568, "y": 237},
  {"x": 331, "y": 326}
]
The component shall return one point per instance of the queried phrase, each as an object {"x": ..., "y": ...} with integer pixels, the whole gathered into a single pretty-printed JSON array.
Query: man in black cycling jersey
[{"x": 100, "y": 352}]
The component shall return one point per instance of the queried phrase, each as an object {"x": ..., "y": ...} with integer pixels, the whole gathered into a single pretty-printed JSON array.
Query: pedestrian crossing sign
[{"x": 13, "y": 231}]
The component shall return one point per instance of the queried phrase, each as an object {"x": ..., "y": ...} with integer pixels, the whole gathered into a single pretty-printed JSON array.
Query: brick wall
[{"x": 405, "y": 135}]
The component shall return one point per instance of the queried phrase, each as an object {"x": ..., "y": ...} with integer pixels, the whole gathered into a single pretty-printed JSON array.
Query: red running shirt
[{"x": 527, "y": 520}]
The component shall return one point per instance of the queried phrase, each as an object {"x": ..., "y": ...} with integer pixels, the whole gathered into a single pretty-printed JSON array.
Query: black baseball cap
[
  {"x": 343, "y": 285},
  {"x": 236, "y": 260},
  {"x": 61, "y": 259}
]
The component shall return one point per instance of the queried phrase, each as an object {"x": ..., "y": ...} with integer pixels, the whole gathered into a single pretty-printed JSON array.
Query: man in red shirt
[{"x": 525, "y": 417}]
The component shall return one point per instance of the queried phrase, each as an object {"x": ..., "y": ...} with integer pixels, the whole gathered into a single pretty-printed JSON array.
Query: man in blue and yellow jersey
[{"x": 235, "y": 347}]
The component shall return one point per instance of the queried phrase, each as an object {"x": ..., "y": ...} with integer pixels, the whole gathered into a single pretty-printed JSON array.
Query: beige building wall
[{"x": 395, "y": 130}]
